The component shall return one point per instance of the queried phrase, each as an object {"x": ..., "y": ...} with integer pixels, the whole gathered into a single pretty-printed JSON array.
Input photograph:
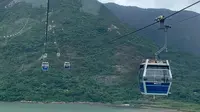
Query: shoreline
[{"x": 129, "y": 106}]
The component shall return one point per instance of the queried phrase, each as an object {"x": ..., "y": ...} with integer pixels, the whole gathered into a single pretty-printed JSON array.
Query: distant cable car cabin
[
  {"x": 58, "y": 54},
  {"x": 45, "y": 66},
  {"x": 67, "y": 65},
  {"x": 155, "y": 77}
]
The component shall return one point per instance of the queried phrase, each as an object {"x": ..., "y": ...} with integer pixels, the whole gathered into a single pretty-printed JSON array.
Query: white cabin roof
[{"x": 154, "y": 62}]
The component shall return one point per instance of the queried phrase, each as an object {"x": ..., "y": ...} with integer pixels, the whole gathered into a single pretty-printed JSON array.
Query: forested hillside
[{"x": 100, "y": 71}]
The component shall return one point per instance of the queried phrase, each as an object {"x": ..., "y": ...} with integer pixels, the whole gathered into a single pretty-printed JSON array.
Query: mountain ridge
[{"x": 139, "y": 17}]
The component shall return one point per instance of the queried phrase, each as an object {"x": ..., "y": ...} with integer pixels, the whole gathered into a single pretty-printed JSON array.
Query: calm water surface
[{"x": 19, "y": 107}]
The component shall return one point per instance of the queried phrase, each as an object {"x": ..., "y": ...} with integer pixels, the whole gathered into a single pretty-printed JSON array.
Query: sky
[{"x": 168, "y": 4}]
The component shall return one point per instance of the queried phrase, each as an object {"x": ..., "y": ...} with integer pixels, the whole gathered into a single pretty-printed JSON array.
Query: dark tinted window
[
  {"x": 141, "y": 66},
  {"x": 157, "y": 67}
]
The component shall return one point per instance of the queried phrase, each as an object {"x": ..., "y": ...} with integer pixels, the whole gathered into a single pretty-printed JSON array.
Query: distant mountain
[{"x": 184, "y": 36}]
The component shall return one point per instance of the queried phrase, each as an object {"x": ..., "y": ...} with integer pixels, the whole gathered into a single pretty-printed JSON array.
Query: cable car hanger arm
[{"x": 166, "y": 27}]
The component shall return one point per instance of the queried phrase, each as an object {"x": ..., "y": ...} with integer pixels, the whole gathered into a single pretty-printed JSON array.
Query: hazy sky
[{"x": 169, "y": 4}]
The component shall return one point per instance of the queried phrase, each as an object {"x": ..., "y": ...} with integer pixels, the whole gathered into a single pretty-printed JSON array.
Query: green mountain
[
  {"x": 183, "y": 36},
  {"x": 98, "y": 74}
]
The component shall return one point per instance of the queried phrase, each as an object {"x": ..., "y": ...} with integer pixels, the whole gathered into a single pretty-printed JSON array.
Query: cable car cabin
[
  {"x": 58, "y": 54},
  {"x": 45, "y": 66},
  {"x": 155, "y": 77},
  {"x": 67, "y": 65}
]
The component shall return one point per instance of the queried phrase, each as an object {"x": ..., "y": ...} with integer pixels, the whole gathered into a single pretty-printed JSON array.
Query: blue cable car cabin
[
  {"x": 155, "y": 77},
  {"x": 67, "y": 65},
  {"x": 45, "y": 66}
]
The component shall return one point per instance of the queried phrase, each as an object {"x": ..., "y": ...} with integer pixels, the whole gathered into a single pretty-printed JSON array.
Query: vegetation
[{"x": 99, "y": 74}]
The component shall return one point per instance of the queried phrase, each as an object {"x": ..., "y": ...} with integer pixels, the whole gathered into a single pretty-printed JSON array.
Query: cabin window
[
  {"x": 141, "y": 71},
  {"x": 157, "y": 67},
  {"x": 157, "y": 75},
  {"x": 141, "y": 66}
]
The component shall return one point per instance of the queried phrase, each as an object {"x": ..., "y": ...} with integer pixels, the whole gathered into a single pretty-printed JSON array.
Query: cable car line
[
  {"x": 47, "y": 24},
  {"x": 45, "y": 64},
  {"x": 133, "y": 32},
  {"x": 183, "y": 9},
  {"x": 189, "y": 18}
]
